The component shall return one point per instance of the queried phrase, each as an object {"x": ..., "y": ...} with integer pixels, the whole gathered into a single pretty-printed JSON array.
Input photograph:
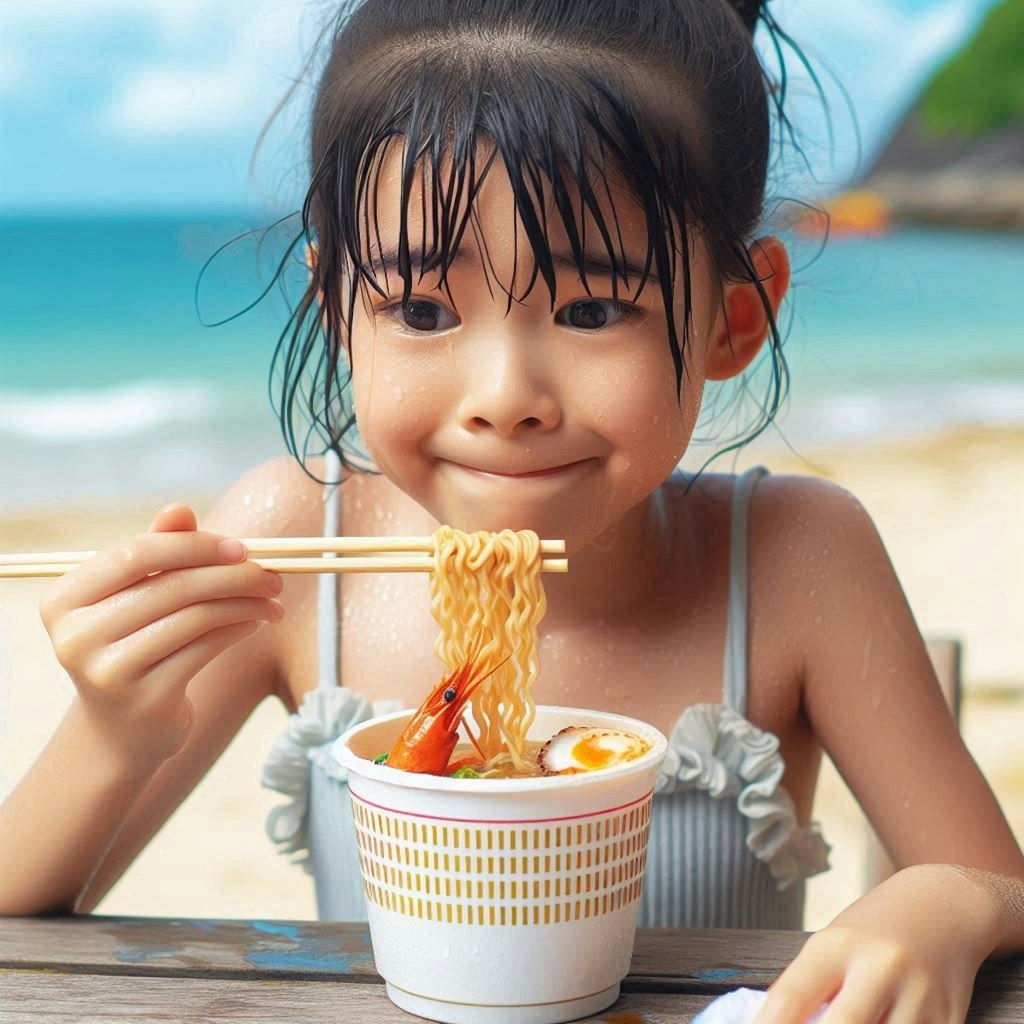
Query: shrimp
[{"x": 429, "y": 739}]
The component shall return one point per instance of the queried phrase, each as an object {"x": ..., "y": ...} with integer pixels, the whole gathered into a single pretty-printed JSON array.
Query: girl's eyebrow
[{"x": 595, "y": 264}]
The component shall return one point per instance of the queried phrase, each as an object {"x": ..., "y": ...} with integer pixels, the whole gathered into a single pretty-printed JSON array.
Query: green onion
[
  {"x": 465, "y": 772},
  {"x": 383, "y": 759}
]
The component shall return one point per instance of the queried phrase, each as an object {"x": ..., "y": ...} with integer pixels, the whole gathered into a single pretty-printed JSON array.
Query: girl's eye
[
  {"x": 593, "y": 314},
  {"x": 422, "y": 316}
]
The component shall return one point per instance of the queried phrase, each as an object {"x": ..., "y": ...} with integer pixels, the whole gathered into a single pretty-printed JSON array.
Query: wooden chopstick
[{"x": 398, "y": 555}]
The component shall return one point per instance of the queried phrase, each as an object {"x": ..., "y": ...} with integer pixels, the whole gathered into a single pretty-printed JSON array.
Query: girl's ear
[{"x": 743, "y": 322}]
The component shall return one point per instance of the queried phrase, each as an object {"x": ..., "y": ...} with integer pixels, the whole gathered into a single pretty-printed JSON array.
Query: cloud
[
  {"x": 59, "y": 15},
  {"x": 172, "y": 102},
  {"x": 233, "y": 90},
  {"x": 157, "y": 68}
]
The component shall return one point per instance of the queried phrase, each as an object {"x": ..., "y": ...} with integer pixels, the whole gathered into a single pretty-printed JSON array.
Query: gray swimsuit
[{"x": 725, "y": 851}]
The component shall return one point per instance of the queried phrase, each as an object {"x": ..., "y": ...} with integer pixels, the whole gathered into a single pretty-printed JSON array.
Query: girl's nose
[{"x": 508, "y": 395}]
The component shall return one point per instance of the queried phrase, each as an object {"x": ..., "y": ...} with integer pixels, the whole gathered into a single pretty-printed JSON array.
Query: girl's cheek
[{"x": 397, "y": 397}]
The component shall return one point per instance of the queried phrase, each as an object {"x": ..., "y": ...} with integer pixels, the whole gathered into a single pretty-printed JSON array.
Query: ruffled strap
[
  {"x": 715, "y": 749},
  {"x": 324, "y": 715}
]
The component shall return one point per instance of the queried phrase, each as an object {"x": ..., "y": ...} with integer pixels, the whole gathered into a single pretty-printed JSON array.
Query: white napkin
[{"x": 737, "y": 1007}]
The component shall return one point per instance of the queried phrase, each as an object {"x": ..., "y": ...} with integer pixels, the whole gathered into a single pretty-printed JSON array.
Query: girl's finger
[
  {"x": 859, "y": 1003},
  {"x": 157, "y": 597},
  {"x": 801, "y": 990},
  {"x": 192, "y": 658},
  {"x": 911, "y": 1006},
  {"x": 133, "y": 560},
  {"x": 134, "y": 656}
]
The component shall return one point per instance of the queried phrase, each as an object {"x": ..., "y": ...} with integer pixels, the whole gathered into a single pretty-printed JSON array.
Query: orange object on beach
[
  {"x": 857, "y": 212},
  {"x": 428, "y": 741}
]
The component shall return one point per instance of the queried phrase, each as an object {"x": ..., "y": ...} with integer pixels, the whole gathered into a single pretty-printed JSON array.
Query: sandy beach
[{"x": 947, "y": 507}]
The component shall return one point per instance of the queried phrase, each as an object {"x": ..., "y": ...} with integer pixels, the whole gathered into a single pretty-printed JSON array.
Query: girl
[{"x": 533, "y": 233}]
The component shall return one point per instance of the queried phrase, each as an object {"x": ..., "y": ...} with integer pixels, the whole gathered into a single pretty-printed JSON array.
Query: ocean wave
[
  {"x": 865, "y": 414},
  {"x": 128, "y": 410}
]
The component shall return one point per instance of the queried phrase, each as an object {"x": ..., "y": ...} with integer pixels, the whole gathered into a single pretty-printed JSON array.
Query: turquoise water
[{"x": 104, "y": 364}]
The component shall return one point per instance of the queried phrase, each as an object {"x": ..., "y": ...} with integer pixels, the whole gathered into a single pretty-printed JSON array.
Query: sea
[{"x": 114, "y": 382}]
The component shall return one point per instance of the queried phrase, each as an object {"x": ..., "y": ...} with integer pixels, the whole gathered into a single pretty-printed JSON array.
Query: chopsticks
[{"x": 308, "y": 555}]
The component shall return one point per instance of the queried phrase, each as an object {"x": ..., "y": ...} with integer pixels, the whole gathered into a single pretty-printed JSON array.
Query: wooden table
[{"x": 100, "y": 969}]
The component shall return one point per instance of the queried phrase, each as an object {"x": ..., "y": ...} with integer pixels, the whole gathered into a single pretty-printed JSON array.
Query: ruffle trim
[
  {"x": 324, "y": 715},
  {"x": 714, "y": 748}
]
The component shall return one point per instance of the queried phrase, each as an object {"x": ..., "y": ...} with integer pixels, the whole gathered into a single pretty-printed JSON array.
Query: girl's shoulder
[
  {"x": 802, "y": 517},
  {"x": 275, "y": 498},
  {"x": 810, "y": 542},
  {"x": 800, "y": 510}
]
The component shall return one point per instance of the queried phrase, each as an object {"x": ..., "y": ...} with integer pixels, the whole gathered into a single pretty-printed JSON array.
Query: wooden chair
[{"x": 946, "y": 655}]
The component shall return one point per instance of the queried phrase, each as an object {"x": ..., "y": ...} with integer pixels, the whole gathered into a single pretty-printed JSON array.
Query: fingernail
[
  {"x": 275, "y": 583},
  {"x": 167, "y": 508},
  {"x": 232, "y": 550},
  {"x": 278, "y": 610}
]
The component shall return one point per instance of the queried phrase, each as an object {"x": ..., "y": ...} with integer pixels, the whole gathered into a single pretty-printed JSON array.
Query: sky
[{"x": 157, "y": 104}]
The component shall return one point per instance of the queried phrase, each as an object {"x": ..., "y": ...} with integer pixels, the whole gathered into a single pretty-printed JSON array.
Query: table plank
[
  {"x": 115, "y": 951},
  {"x": 712, "y": 959},
  {"x": 189, "y": 948},
  {"x": 35, "y": 997}
]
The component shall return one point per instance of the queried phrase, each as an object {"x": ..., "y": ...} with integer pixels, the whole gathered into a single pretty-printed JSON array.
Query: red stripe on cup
[{"x": 498, "y": 821}]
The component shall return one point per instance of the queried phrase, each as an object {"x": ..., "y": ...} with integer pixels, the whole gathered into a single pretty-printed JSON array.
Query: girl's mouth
[{"x": 532, "y": 474}]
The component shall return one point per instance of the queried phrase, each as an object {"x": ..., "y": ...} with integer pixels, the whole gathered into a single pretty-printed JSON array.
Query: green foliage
[
  {"x": 465, "y": 772},
  {"x": 981, "y": 89}
]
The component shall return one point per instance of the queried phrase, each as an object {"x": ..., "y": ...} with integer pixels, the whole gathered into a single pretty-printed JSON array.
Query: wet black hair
[{"x": 667, "y": 98}]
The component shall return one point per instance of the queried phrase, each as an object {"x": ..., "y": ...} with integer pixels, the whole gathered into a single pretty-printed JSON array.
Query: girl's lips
[{"x": 533, "y": 474}]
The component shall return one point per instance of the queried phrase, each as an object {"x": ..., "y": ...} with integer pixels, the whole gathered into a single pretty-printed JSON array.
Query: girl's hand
[
  {"x": 906, "y": 953},
  {"x": 133, "y": 624}
]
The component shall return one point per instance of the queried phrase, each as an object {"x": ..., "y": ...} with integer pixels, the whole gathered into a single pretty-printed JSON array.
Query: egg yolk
[{"x": 589, "y": 753}]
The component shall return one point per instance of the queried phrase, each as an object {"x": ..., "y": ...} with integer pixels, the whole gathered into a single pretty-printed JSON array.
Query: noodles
[{"x": 488, "y": 585}]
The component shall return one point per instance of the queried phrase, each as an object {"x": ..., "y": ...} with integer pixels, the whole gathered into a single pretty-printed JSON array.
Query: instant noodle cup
[{"x": 496, "y": 900}]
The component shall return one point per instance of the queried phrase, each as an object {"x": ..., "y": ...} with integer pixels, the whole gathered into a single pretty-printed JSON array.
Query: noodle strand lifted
[{"x": 488, "y": 585}]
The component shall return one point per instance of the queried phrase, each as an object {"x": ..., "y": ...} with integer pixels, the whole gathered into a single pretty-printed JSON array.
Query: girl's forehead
[{"x": 493, "y": 226}]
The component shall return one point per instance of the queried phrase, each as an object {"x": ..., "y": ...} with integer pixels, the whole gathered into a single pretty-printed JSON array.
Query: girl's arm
[
  {"x": 871, "y": 697},
  {"x": 85, "y": 809}
]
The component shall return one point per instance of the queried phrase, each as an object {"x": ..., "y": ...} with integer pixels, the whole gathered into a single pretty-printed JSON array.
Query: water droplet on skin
[
  {"x": 398, "y": 394},
  {"x": 269, "y": 503},
  {"x": 618, "y": 692},
  {"x": 247, "y": 500},
  {"x": 655, "y": 420},
  {"x": 388, "y": 378},
  {"x": 876, "y": 700}
]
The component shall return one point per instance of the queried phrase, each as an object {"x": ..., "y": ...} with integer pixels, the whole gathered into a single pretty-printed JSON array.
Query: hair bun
[{"x": 749, "y": 12}]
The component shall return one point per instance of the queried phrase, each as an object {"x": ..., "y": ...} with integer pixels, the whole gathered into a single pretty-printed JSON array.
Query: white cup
[{"x": 492, "y": 900}]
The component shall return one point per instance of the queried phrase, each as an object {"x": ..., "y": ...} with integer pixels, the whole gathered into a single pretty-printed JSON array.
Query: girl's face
[{"x": 559, "y": 422}]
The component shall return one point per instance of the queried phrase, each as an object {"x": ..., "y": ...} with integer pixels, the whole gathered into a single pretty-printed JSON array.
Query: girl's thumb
[{"x": 174, "y": 518}]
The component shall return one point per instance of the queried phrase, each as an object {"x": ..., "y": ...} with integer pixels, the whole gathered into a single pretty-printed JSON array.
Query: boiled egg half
[{"x": 578, "y": 748}]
